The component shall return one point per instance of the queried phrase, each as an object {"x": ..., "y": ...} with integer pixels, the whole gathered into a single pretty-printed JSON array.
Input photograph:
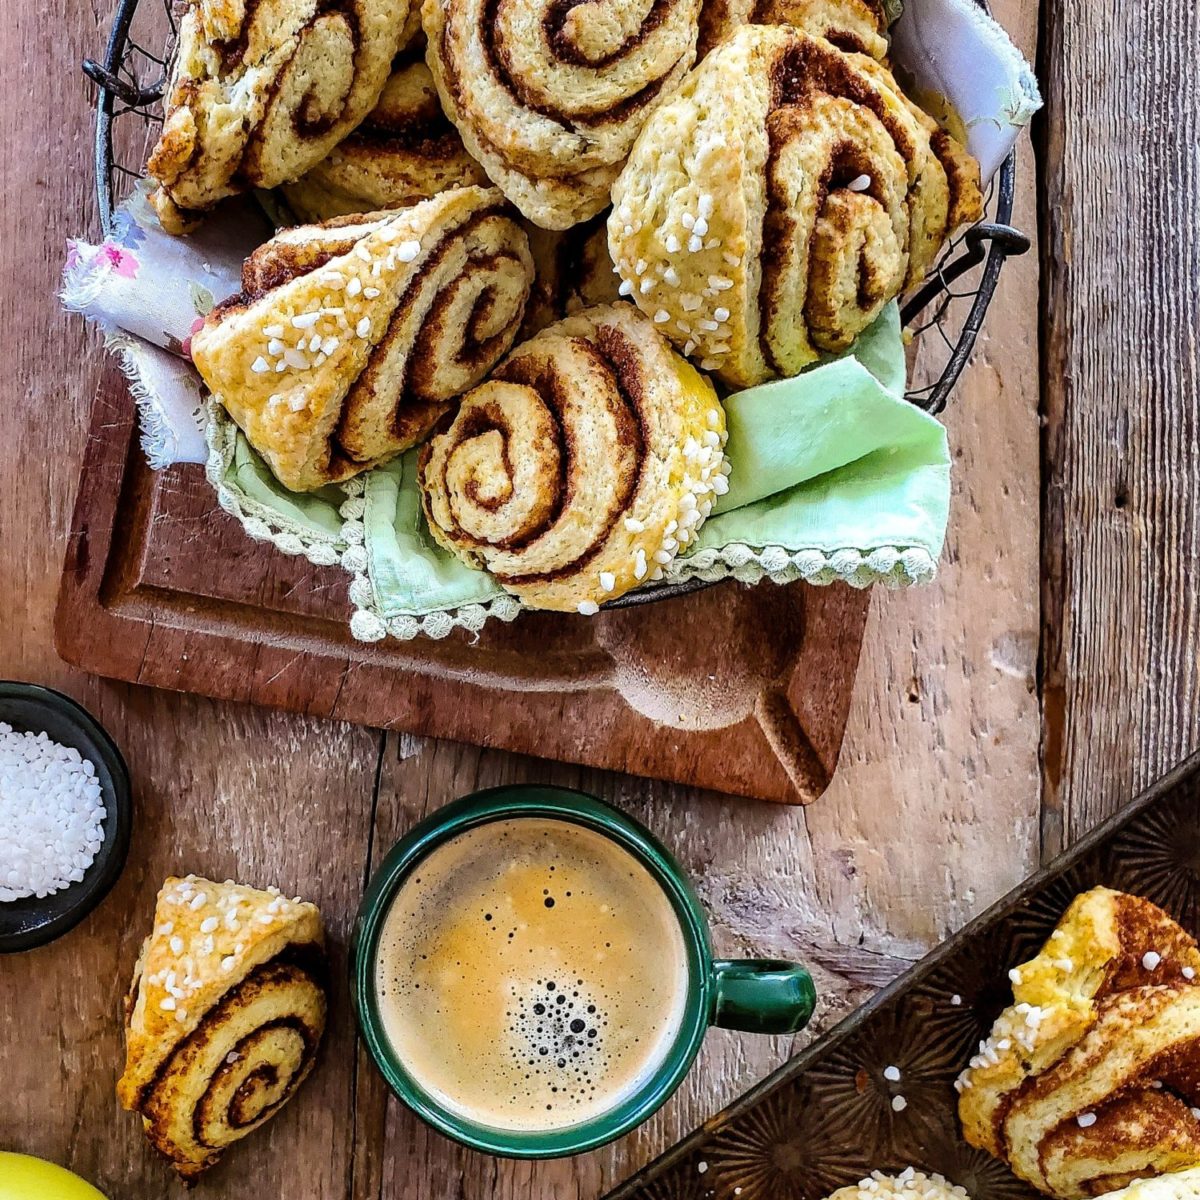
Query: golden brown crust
[
  {"x": 262, "y": 90},
  {"x": 909, "y": 1184},
  {"x": 549, "y": 96},
  {"x": 350, "y": 339},
  {"x": 857, "y": 26},
  {"x": 1178, "y": 1185},
  {"x": 404, "y": 152},
  {"x": 582, "y": 467},
  {"x": 224, "y": 1016},
  {"x": 1091, "y": 1077},
  {"x": 780, "y": 200}
]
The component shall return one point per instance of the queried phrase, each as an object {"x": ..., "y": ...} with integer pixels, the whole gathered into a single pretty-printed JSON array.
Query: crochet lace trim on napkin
[
  {"x": 260, "y": 521},
  {"x": 368, "y": 623},
  {"x": 892, "y": 566}
]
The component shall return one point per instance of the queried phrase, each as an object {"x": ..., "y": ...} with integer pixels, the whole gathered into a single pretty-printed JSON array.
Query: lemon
[{"x": 23, "y": 1177}]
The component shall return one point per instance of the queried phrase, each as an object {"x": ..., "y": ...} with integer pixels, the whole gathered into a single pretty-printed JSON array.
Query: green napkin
[{"x": 834, "y": 476}]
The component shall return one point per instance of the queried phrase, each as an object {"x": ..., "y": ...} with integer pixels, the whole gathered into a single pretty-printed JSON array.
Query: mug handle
[{"x": 762, "y": 995}]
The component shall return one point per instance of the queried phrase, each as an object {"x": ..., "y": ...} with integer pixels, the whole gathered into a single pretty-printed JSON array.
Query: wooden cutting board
[{"x": 738, "y": 689}]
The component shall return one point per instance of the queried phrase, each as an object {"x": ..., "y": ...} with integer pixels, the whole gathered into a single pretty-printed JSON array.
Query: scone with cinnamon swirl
[
  {"x": 854, "y": 25},
  {"x": 549, "y": 96},
  {"x": 224, "y": 1017},
  {"x": 404, "y": 152},
  {"x": 909, "y": 1184},
  {"x": 259, "y": 93},
  {"x": 589, "y": 459},
  {"x": 350, "y": 339},
  {"x": 771, "y": 209},
  {"x": 1091, "y": 1078},
  {"x": 1178, "y": 1185}
]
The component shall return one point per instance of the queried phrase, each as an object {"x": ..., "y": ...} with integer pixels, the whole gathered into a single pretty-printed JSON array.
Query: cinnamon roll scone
[
  {"x": 589, "y": 459},
  {"x": 350, "y": 339},
  {"x": 223, "y": 1018},
  {"x": 1092, "y": 1077},
  {"x": 404, "y": 152},
  {"x": 775, "y": 205},
  {"x": 259, "y": 93},
  {"x": 909, "y": 1184},
  {"x": 853, "y": 25},
  {"x": 572, "y": 270},
  {"x": 1179, "y": 1185},
  {"x": 549, "y": 96}
]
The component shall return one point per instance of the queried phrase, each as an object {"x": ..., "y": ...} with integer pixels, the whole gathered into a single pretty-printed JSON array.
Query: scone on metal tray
[
  {"x": 1179, "y": 1185},
  {"x": 1091, "y": 1078}
]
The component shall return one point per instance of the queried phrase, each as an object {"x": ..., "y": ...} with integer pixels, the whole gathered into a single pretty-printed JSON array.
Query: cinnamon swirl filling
[
  {"x": 805, "y": 193},
  {"x": 261, "y": 93},
  {"x": 404, "y": 152},
  {"x": 224, "y": 1017},
  {"x": 581, "y": 467},
  {"x": 363, "y": 330},
  {"x": 1092, "y": 1077},
  {"x": 549, "y": 100}
]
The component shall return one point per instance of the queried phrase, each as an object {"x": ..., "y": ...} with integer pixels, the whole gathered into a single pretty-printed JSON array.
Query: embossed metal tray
[{"x": 829, "y": 1117}]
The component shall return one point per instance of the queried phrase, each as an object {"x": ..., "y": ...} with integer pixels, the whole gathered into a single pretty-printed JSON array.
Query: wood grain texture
[
  {"x": 759, "y": 711},
  {"x": 216, "y": 787},
  {"x": 933, "y": 813},
  {"x": 1121, "y": 540}
]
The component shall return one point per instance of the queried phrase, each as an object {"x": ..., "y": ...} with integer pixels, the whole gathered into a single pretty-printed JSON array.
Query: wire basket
[{"x": 943, "y": 315}]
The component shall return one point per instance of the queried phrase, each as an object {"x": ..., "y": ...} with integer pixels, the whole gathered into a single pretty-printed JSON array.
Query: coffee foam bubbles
[{"x": 531, "y": 975}]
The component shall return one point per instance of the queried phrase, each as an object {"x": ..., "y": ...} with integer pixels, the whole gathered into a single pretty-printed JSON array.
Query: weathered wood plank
[
  {"x": 219, "y": 788},
  {"x": 1121, "y": 543}
]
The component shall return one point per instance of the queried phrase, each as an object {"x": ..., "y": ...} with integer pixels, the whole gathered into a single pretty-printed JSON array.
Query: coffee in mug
[{"x": 531, "y": 974}]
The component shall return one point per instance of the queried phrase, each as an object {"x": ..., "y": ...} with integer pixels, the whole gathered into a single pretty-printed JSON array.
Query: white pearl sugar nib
[{"x": 51, "y": 815}]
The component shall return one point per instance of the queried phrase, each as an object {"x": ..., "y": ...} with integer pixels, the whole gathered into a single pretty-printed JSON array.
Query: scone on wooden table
[
  {"x": 261, "y": 92},
  {"x": 572, "y": 270},
  {"x": 788, "y": 192},
  {"x": 1091, "y": 1078},
  {"x": 589, "y": 459},
  {"x": 350, "y": 339},
  {"x": 549, "y": 97},
  {"x": 859, "y": 26},
  {"x": 224, "y": 1016},
  {"x": 404, "y": 152}
]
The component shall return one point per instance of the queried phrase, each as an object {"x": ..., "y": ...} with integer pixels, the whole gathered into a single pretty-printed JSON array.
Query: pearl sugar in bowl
[{"x": 64, "y": 814}]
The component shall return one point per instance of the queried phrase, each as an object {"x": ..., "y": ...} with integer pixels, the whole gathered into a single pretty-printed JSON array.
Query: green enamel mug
[{"x": 753, "y": 995}]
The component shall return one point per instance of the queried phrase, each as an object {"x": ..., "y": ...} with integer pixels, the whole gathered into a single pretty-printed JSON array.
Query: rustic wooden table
[{"x": 1049, "y": 672}]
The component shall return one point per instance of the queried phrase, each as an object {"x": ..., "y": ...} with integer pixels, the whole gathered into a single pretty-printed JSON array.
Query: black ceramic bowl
[{"x": 29, "y": 708}]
